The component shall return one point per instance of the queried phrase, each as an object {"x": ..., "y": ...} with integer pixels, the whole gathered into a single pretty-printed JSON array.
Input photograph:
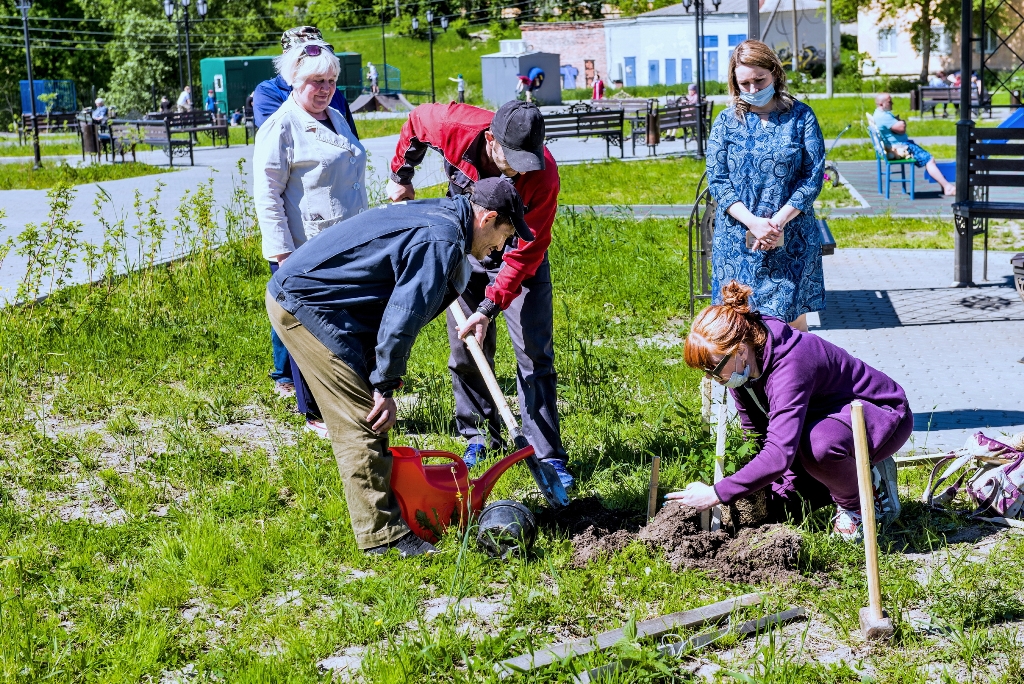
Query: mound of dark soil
[{"x": 758, "y": 554}]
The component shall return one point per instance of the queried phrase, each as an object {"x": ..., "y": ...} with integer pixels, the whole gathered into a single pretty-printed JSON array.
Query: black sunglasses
[
  {"x": 315, "y": 50},
  {"x": 717, "y": 372}
]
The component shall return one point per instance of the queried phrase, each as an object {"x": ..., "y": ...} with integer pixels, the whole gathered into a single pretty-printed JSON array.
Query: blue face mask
[
  {"x": 759, "y": 98},
  {"x": 738, "y": 379}
]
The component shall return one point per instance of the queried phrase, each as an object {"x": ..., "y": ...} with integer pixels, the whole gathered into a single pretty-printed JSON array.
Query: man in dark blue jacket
[
  {"x": 270, "y": 95},
  {"x": 349, "y": 304}
]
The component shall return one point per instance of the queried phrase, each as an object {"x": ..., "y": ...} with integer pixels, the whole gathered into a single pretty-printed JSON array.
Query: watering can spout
[{"x": 483, "y": 485}]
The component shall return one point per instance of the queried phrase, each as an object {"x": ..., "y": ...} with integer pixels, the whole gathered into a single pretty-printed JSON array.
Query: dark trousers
[
  {"x": 529, "y": 322},
  {"x": 462, "y": 96},
  {"x": 826, "y": 457},
  {"x": 285, "y": 365}
]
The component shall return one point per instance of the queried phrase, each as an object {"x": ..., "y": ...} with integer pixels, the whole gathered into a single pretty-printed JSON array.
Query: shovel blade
[{"x": 548, "y": 482}]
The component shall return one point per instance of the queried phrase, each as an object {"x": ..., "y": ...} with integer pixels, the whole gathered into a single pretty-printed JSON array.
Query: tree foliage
[{"x": 924, "y": 14}]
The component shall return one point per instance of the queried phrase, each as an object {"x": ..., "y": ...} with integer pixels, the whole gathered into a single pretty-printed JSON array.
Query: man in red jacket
[{"x": 475, "y": 144}]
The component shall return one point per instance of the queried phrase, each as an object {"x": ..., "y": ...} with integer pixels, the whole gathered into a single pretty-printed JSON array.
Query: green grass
[
  {"x": 49, "y": 145},
  {"x": 893, "y": 232},
  {"x": 376, "y": 128},
  {"x": 161, "y": 509},
  {"x": 21, "y": 176},
  {"x": 655, "y": 181}
]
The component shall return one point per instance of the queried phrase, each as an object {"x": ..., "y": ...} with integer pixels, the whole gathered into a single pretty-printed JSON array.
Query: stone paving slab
[{"x": 954, "y": 350}]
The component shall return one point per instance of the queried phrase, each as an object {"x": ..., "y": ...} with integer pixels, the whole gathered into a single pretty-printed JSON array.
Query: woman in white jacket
[{"x": 309, "y": 170}]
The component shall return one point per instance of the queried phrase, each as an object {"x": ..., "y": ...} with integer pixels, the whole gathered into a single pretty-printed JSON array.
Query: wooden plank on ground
[
  {"x": 683, "y": 647},
  {"x": 648, "y": 628}
]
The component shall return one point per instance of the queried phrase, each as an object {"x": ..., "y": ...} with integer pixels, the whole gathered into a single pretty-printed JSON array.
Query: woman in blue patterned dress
[{"x": 766, "y": 158}]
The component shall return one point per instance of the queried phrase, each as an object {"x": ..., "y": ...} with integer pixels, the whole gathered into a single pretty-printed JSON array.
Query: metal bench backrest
[
  {"x": 156, "y": 131},
  {"x": 678, "y": 116},
  {"x": 583, "y": 123},
  {"x": 987, "y": 143}
]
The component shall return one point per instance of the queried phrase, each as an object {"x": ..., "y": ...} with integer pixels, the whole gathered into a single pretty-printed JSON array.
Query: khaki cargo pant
[{"x": 362, "y": 455}]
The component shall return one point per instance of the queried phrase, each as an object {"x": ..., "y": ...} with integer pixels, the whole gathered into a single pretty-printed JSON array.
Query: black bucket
[{"x": 506, "y": 527}]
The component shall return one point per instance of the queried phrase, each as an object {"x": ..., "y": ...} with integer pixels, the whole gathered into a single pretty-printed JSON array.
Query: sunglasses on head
[{"x": 315, "y": 50}]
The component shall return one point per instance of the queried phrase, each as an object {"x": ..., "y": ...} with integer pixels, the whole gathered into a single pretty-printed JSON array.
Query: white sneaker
[
  {"x": 887, "y": 496},
  {"x": 318, "y": 427},
  {"x": 849, "y": 525}
]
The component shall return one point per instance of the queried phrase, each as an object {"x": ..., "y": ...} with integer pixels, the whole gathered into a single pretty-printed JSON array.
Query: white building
[
  {"x": 887, "y": 41},
  {"x": 659, "y": 47}
]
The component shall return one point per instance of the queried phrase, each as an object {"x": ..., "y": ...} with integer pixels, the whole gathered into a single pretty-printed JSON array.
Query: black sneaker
[{"x": 408, "y": 546}]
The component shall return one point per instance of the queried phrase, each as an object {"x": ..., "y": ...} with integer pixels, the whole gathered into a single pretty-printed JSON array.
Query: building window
[
  {"x": 686, "y": 71},
  {"x": 736, "y": 38},
  {"x": 992, "y": 41},
  {"x": 670, "y": 72},
  {"x": 940, "y": 41},
  {"x": 710, "y": 42},
  {"x": 887, "y": 41}
]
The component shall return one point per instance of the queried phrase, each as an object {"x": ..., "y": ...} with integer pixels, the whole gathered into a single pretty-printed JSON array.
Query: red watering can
[{"x": 434, "y": 496}]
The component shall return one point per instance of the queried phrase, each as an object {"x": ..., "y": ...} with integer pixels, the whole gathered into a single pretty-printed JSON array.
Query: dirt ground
[{"x": 756, "y": 554}]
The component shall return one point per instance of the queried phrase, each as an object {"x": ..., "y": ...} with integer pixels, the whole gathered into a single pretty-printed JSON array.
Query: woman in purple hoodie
[{"x": 793, "y": 389}]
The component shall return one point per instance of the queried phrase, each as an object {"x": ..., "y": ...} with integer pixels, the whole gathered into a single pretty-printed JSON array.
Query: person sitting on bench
[{"x": 893, "y": 131}]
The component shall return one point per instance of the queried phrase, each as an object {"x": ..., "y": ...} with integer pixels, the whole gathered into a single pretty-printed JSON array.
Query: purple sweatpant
[{"x": 826, "y": 454}]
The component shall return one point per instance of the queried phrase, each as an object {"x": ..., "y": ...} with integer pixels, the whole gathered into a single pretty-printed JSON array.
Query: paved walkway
[{"x": 954, "y": 351}]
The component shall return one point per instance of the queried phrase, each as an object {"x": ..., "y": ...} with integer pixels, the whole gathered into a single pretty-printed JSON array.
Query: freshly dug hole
[{"x": 755, "y": 555}]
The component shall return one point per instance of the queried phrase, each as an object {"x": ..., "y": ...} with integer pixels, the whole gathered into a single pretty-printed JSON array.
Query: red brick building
[{"x": 580, "y": 43}]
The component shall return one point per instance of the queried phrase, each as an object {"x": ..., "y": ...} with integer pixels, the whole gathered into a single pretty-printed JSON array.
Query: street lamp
[
  {"x": 430, "y": 30},
  {"x": 444, "y": 24},
  {"x": 37, "y": 161},
  {"x": 698, "y": 20},
  {"x": 201, "y": 10}
]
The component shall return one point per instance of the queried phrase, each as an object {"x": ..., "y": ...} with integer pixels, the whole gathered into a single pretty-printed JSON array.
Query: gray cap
[{"x": 519, "y": 129}]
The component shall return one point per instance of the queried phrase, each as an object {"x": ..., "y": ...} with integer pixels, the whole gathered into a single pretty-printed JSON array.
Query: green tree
[{"x": 927, "y": 12}]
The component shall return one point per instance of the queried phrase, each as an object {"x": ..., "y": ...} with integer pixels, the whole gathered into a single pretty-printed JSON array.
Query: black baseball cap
[
  {"x": 498, "y": 194},
  {"x": 519, "y": 129}
]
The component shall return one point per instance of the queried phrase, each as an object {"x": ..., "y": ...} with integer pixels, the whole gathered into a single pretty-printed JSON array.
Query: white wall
[
  {"x": 810, "y": 30},
  {"x": 661, "y": 38},
  {"x": 905, "y": 60}
]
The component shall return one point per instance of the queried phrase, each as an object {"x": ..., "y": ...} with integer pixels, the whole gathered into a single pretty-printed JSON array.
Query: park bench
[
  {"x": 995, "y": 159},
  {"x": 155, "y": 133},
  {"x": 583, "y": 122},
  {"x": 678, "y": 116},
  {"x": 194, "y": 123},
  {"x": 50, "y": 123},
  {"x": 929, "y": 97}
]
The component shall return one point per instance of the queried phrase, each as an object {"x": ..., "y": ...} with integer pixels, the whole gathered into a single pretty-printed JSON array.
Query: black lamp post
[
  {"x": 383, "y": 49},
  {"x": 430, "y": 29},
  {"x": 698, "y": 20},
  {"x": 24, "y": 6},
  {"x": 430, "y": 32},
  {"x": 201, "y": 9}
]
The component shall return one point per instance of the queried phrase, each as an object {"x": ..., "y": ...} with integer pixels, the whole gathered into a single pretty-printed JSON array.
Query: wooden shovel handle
[
  {"x": 485, "y": 371},
  {"x": 867, "y": 507}
]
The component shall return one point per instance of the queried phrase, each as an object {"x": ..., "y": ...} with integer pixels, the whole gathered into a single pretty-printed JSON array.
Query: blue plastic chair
[{"x": 882, "y": 157}]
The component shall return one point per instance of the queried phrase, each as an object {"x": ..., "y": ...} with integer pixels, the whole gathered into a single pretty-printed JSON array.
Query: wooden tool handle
[
  {"x": 723, "y": 414},
  {"x": 485, "y": 371},
  {"x": 867, "y": 507}
]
